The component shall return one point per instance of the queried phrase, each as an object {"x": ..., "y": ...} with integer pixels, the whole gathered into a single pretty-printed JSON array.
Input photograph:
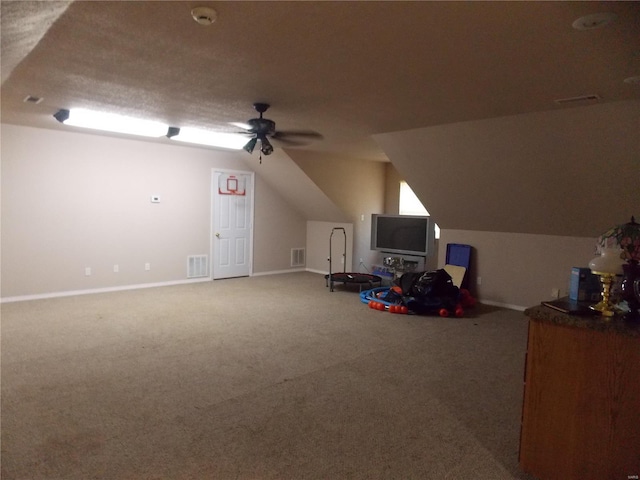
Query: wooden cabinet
[{"x": 581, "y": 408}]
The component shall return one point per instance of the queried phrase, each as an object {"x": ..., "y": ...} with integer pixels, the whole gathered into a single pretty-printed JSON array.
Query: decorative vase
[{"x": 631, "y": 295}]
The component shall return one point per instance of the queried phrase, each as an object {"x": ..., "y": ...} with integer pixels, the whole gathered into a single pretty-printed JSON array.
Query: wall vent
[
  {"x": 297, "y": 257},
  {"x": 197, "y": 266},
  {"x": 581, "y": 99}
]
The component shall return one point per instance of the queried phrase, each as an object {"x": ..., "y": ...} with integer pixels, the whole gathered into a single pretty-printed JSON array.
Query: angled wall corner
[
  {"x": 286, "y": 177},
  {"x": 356, "y": 186}
]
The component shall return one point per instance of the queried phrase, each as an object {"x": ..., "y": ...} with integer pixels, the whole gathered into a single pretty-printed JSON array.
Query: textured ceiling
[{"x": 346, "y": 69}]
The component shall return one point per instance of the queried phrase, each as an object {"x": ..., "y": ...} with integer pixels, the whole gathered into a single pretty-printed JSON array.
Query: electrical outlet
[
  {"x": 555, "y": 293},
  {"x": 87, "y": 271},
  {"x": 147, "y": 266},
  {"x": 116, "y": 268},
  {"x": 479, "y": 281}
]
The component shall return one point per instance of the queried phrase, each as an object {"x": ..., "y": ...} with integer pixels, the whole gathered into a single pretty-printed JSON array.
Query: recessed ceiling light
[
  {"x": 595, "y": 20},
  {"x": 204, "y": 15}
]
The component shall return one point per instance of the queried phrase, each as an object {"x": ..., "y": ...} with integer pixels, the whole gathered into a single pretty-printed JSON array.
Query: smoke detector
[{"x": 204, "y": 15}]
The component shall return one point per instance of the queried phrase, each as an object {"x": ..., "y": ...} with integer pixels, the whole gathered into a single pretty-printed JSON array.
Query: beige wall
[
  {"x": 568, "y": 172},
  {"x": 321, "y": 245},
  {"x": 519, "y": 270},
  {"x": 528, "y": 192},
  {"x": 357, "y": 187},
  {"x": 75, "y": 200},
  {"x": 392, "y": 190},
  {"x": 278, "y": 229}
]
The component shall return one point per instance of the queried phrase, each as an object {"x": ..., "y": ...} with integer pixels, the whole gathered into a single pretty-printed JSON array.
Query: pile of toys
[{"x": 421, "y": 293}]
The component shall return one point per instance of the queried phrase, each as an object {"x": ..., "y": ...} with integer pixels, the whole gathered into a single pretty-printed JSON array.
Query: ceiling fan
[{"x": 262, "y": 129}]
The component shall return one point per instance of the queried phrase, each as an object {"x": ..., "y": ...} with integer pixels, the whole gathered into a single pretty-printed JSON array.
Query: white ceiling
[{"x": 348, "y": 70}]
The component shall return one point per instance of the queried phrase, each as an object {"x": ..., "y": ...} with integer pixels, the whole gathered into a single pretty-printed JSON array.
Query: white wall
[{"x": 75, "y": 200}]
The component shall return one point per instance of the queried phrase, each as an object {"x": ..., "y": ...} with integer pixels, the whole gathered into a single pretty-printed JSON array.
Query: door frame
[{"x": 213, "y": 188}]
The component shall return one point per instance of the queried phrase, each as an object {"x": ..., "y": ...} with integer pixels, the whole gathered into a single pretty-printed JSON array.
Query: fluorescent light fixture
[
  {"x": 206, "y": 137},
  {"x": 110, "y": 122}
]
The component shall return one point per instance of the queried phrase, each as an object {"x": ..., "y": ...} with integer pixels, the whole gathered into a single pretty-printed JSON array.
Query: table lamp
[{"x": 619, "y": 249}]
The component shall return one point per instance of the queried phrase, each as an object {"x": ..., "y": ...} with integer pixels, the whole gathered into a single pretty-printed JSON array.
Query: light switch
[{"x": 155, "y": 198}]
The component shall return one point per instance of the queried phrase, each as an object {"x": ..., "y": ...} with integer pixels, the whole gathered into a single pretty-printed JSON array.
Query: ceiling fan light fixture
[
  {"x": 265, "y": 146},
  {"x": 206, "y": 137},
  {"x": 251, "y": 144},
  {"x": 110, "y": 122}
]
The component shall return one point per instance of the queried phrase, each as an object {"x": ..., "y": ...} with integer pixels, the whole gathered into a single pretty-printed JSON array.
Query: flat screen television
[{"x": 403, "y": 234}]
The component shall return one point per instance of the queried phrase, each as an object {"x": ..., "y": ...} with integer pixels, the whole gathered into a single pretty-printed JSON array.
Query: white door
[{"x": 232, "y": 224}]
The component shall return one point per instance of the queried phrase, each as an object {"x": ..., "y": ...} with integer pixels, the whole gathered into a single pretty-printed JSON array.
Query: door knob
[{"x": 218, "y": 235}]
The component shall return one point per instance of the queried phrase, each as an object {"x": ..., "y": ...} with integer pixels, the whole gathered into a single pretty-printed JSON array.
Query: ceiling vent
[
  {"x": 32, "y": 99},
  {"x": 581, "y": 100}
]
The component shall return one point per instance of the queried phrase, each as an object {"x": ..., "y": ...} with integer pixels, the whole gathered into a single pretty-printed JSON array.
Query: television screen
[{"x": 402, "y": 234}]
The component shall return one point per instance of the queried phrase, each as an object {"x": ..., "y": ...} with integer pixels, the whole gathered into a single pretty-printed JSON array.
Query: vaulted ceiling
[
  {"x": 354, "y": 71},
  {"x": 346, "y": 69}
]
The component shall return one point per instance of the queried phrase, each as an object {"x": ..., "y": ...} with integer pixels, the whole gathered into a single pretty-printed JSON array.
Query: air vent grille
[
  {"x": 297, "y": 257},
  {"x": 32, "y": 99},
  {"x": 197, "y": 266}
]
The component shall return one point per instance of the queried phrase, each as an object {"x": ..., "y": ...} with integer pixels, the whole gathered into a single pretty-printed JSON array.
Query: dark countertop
[{"x": 594, "y": 322}]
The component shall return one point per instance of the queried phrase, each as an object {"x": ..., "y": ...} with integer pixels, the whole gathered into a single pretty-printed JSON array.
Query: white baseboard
[
  {"x": 71, "y": 293},
  {"x": 503, "y": 305},
  {"x": 278, "y": 272},
  {"x": 321, "y": 272}
]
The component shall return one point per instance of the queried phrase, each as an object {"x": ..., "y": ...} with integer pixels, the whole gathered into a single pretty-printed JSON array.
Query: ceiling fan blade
[
  {"x": 289, "y": 141},
  {"x": 242, "y": 125},
  {"x": 297, "y": 133}
]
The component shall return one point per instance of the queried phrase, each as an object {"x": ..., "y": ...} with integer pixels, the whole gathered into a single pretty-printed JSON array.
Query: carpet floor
[{"x": 268, "y": 377}]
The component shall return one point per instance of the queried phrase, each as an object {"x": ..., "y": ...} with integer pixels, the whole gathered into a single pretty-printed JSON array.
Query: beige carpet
[{"x": 270, "y": 377}]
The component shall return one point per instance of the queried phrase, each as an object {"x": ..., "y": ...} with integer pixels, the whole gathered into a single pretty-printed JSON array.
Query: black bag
[{"x": 426, "y": 292}]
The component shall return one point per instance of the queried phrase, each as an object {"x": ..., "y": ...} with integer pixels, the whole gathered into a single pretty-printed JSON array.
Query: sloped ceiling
[
  {"x": 573, "y": 172},
  {"x": 350, "y": 70}
]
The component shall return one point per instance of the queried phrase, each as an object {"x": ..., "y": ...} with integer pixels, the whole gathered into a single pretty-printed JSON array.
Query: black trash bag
[{"x": 428, "y": 292}]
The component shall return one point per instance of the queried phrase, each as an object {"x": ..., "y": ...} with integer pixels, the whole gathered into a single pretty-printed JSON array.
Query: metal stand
[{"x": 344, "y": 255}]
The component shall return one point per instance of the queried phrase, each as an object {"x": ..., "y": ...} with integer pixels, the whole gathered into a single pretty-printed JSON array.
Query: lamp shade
[
  {"x": 608, "y": 262},
  {"x": 625, "y": 237}
]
